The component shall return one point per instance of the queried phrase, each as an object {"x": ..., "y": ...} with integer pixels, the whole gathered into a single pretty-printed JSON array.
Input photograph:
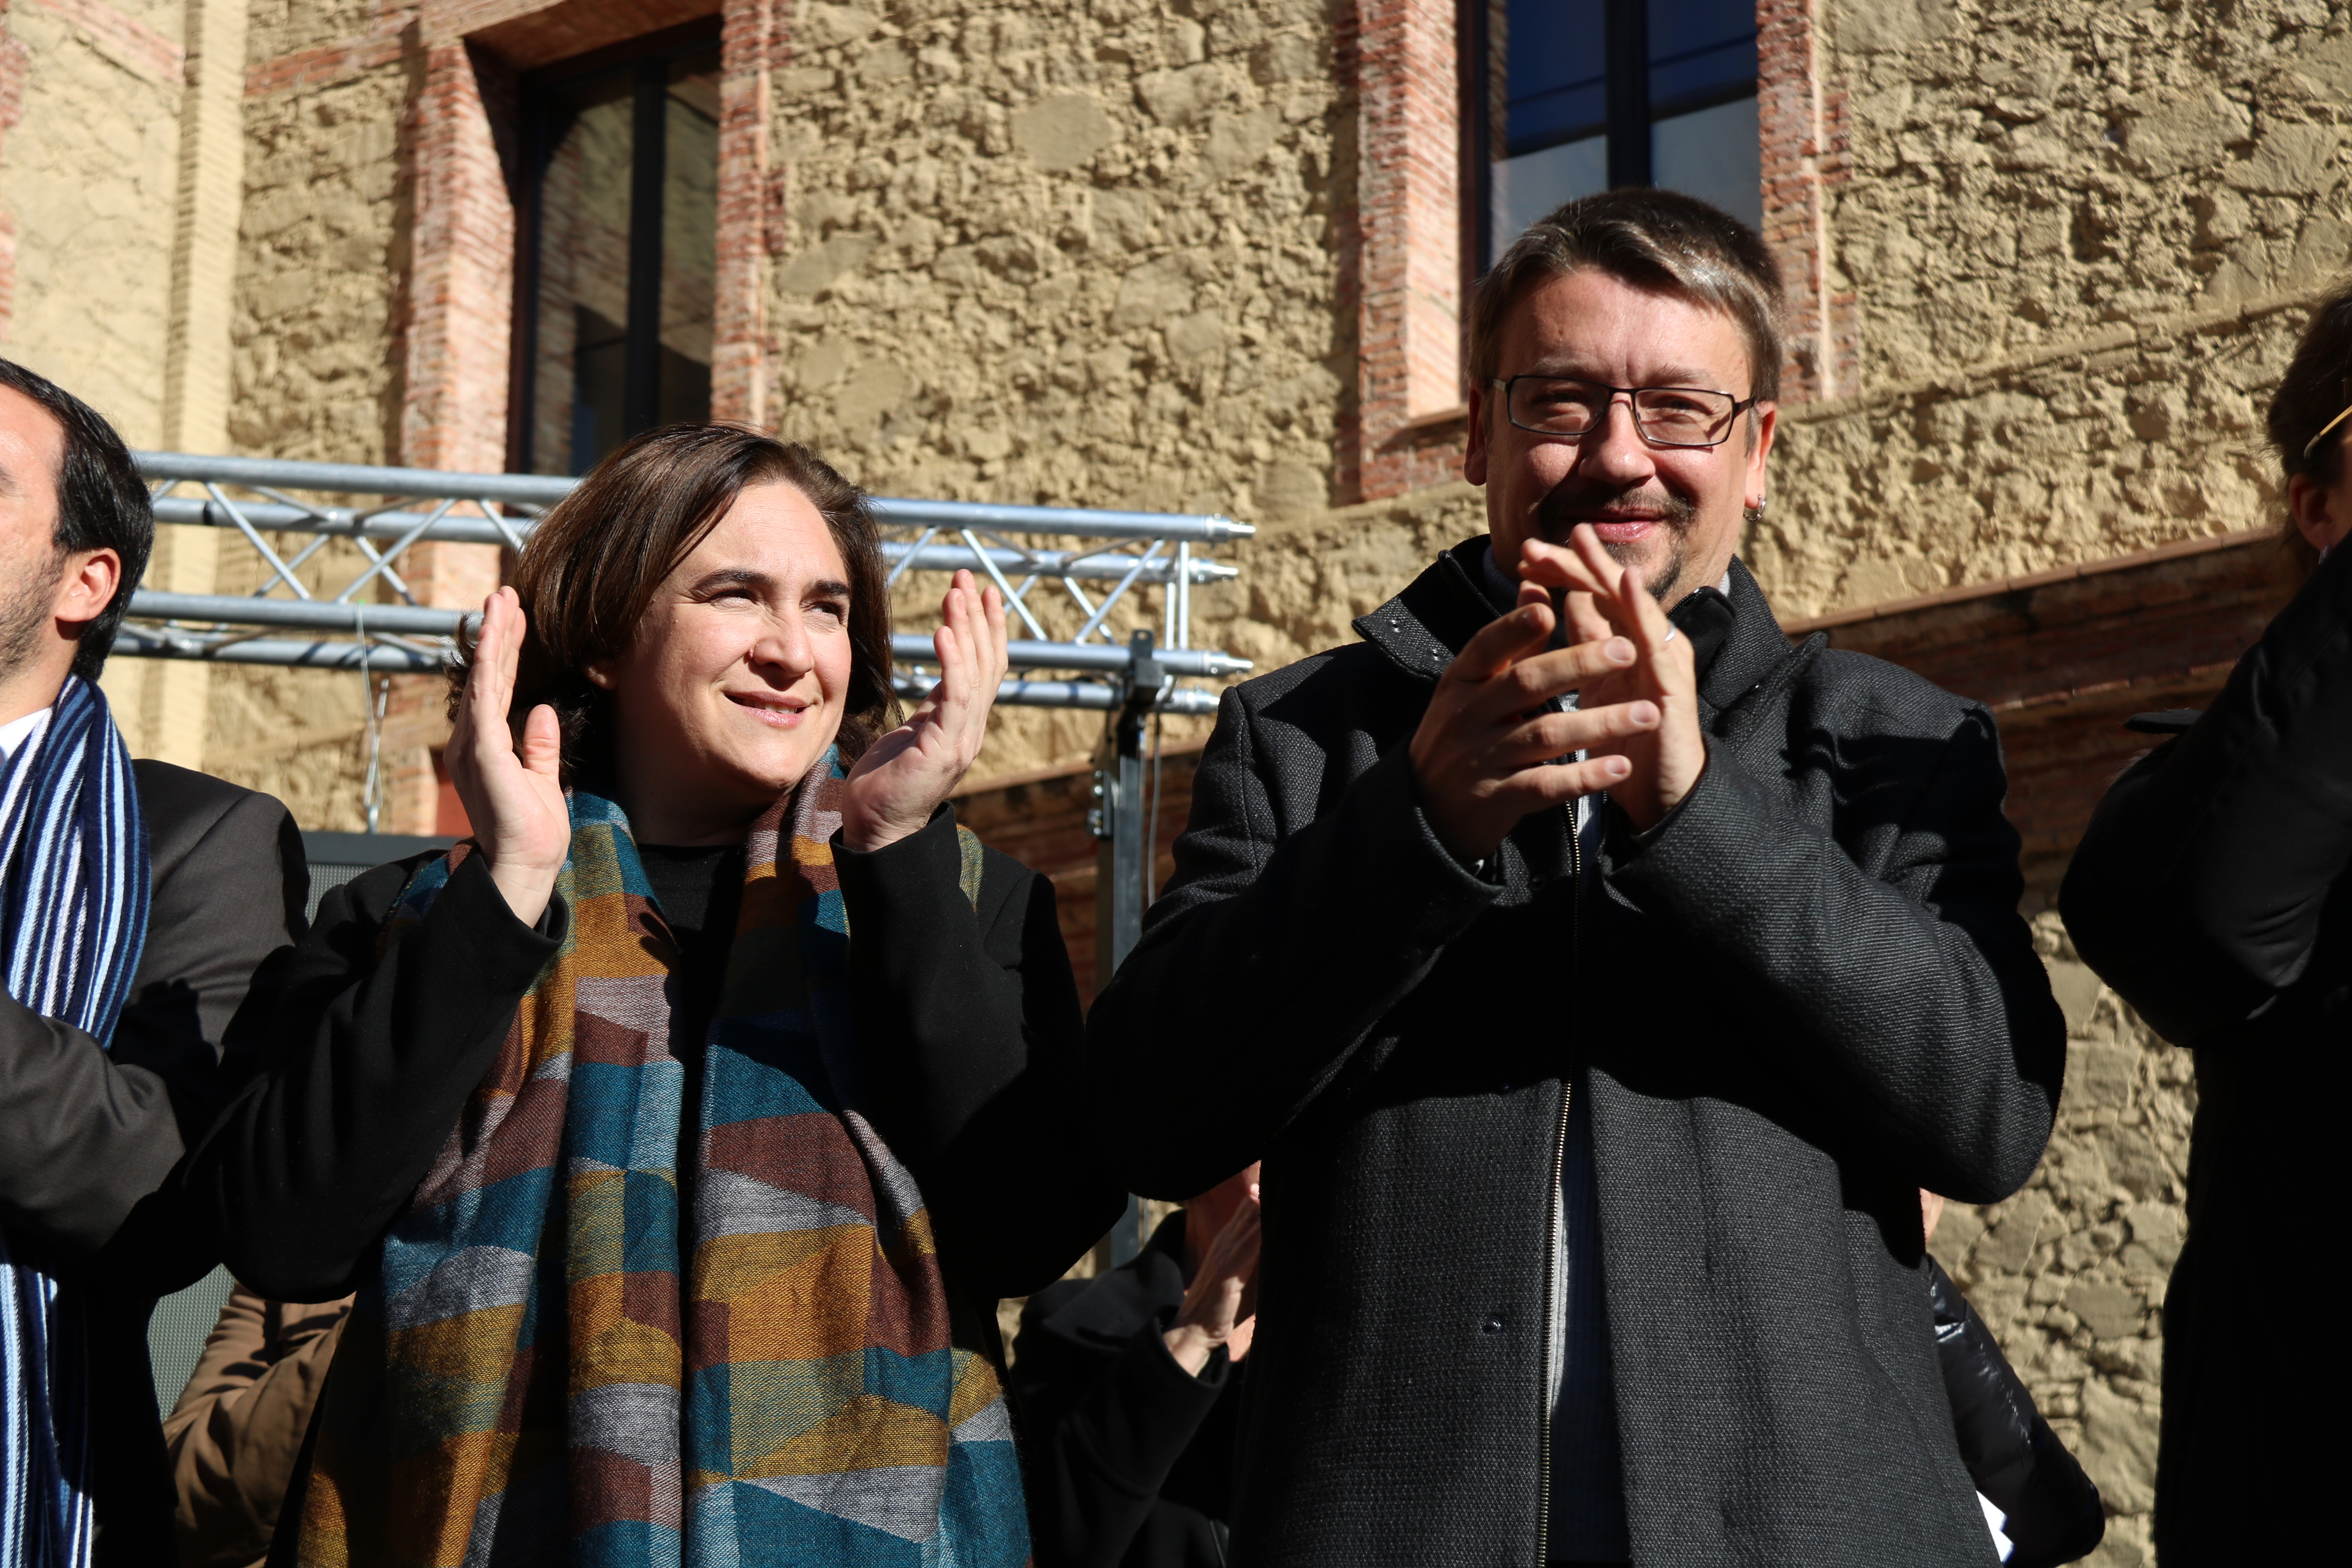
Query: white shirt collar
[{"x": 17, "y": 733}]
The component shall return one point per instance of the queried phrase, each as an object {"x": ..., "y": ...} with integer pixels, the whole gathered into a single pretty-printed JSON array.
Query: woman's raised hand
[
  {"x": 904, "y": 775},
  {"x": 515, "y": 802}
]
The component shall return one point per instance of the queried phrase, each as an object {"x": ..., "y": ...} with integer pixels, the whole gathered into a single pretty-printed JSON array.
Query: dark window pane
[
  {"x": 1701, "y": 52},
  {"x": 584, "y": 275},
  {"x": 1530, "y": 185},
  {"x": 689, "y": 257},
  {"x": 1556, "y": 90},
  {"x": 1712, "y": 154},
  {"x": 600, "y": 357}
]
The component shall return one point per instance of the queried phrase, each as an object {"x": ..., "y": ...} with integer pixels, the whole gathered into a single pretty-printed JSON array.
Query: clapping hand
[
  {"x": 1661, "y": 761},
  {"x": 904, "y": 774},
  {"x": 514, "y": 801},
  {"x": 1482, "y": 756},
  {"x": 1221, "y": 1304}
]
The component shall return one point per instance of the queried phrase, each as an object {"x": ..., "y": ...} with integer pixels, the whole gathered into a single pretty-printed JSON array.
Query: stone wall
[
  {"x": 2079, "y": 241},
  {"x": 89, "y": 175}
]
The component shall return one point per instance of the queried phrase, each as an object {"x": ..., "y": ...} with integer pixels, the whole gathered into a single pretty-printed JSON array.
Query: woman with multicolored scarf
[{"x": 680, "y": 1129}]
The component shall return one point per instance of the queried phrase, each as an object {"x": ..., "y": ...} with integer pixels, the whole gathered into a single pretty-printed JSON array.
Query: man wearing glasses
[{"x": 1599, "y": 979}]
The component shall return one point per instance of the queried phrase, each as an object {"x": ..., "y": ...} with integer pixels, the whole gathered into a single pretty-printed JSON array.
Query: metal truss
[{"x": 1114, "y": 556}]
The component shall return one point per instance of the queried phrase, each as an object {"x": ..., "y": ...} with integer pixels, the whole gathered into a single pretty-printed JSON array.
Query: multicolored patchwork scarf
[{"x": 525, "y": 1381}]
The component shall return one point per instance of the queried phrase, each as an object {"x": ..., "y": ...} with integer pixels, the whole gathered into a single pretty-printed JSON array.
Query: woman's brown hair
[
  {"x": 2315, "y": 389},
  {"x": 592, "y": 565}
]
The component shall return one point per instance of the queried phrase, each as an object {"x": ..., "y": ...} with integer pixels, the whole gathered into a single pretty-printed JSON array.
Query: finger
[
  {"x": 543, "y": 743},
  {"x": 1647, "y": 623},
  {"x": 1586, "y": 622},
  {"x": 1536, "y": 680},
  {"x": 1554, "y": 566},
  {"x": 1000, "y": 636},
  {"x": 1503, "y": 642},
  {"x": 1558, "y": 735},
  {"x": 954, "y": 688},
  {"x": 1550, "y": 784}
]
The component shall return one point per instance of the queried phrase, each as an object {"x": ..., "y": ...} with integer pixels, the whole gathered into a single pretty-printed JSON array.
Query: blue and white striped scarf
[{"x": 73, "y": 917}]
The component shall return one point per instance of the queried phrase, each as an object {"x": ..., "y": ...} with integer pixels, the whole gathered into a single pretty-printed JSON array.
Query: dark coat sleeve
[
  {"x": 1103, "y": 1436},
  {"x": 371, "y": 1063},
  {"x": 1907, "y": 998},
  {"x": 2202, "y": 886},
  {"x": 969, "y": 1024},
  {"x": 1265, "y": 964},
  {"x": 87, "y": 1133}
]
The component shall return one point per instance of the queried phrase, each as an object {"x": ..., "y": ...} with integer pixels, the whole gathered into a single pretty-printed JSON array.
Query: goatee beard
[{"x": 1556, "y": 519}]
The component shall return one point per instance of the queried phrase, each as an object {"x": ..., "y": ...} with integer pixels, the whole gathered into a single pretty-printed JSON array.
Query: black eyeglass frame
[{"x": 1731, "y": 421}]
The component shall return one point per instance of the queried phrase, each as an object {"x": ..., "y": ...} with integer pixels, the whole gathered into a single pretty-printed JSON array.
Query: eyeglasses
[{"x": 1666, "y": 415}]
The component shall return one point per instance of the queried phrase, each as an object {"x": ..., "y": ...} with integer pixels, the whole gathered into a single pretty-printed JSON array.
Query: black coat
[
  {"x": 2213, "y": 891},
  {"x": 968, "y": 1024},
  {"x": 1806, "y": 996},
  {"x": 87, "y": 1136},
  {"x": 1129, "y": 1457}
]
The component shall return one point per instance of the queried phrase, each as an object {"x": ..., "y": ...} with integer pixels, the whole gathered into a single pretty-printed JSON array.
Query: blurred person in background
[
  {"x": 237, "y": 1432},
  {"x": 2213, "y": 890},
  {"x": 140, "y": 905},
  {"x": 680, "y": 1131},
  {"x": 1128, "y": 1385}
]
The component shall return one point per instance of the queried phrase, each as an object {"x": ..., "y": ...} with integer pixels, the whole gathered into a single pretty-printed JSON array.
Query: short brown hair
[
  {"x": 2317, "y": 387},
  {"x": 1653, "y": 239},
  {"x": 593, "y": 567}
]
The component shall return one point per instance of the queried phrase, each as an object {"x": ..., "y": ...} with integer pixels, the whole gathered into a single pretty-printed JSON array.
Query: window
[
  {"x": 1597, "y": 93},
  {"x": 620, "y": 248}
]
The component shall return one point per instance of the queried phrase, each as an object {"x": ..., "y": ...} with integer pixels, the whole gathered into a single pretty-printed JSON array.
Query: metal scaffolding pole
[
  {"x": 1104, "y": 561},
  {"x": 1127, "y": 551}
]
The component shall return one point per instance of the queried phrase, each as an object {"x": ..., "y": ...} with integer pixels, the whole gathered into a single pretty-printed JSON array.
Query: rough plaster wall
[
  {"x": 2078, "y": 238},
  {"x": 1034, "y": 252},
  {"x": 2070, "y": 1273},
  {"x": 323, "y": 254},
  {"x": 89, "y": 174}
]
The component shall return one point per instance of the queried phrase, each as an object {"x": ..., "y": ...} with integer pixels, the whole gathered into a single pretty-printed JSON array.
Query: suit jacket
[
  {"x": 88, "y": 1135},
  {"x": 1804, "y": 996}
]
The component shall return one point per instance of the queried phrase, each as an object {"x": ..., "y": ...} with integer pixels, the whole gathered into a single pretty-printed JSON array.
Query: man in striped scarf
[{"x": 138, "y": 901}]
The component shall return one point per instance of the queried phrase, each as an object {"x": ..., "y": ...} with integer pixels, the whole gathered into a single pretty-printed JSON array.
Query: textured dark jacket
[
  {"x": 1129, "y": 1457},
  {"x": 87, "y": 1136},
  {"x": 2212, "y": 892},
  {"x": 1806, "y": 996}
]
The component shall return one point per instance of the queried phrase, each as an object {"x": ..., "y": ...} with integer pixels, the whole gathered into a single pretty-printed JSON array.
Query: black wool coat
[
  {"x": 2213, "y": 890},
  {"x": 1130, "y": 1457},
  {"x": 1807, "y": 994},
  {"x": 88, "y": 1136}
]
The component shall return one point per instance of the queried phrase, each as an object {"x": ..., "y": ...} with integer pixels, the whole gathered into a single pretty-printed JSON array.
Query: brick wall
[
  {"x": 1800, "y": 125},
  {"x": 1406, "y": 249}
]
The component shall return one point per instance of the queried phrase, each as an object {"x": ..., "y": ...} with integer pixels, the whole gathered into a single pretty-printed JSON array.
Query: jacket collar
[{"x": 1734, "y": 636}]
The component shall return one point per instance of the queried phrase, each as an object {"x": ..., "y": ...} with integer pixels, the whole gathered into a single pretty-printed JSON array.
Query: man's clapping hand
[
  {"x": 1482, "y": 756},
  {"x": 1662, "y": 760}
]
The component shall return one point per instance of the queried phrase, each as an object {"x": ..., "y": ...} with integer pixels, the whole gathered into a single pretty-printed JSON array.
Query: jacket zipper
[{"x": 1552, "y": 1256}]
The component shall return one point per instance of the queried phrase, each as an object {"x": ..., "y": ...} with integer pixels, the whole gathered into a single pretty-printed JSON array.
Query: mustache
[{"x": 1568, "y": 505}]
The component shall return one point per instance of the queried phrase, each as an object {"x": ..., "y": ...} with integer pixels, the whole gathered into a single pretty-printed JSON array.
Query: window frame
[{"x": 648, "y": 58}]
